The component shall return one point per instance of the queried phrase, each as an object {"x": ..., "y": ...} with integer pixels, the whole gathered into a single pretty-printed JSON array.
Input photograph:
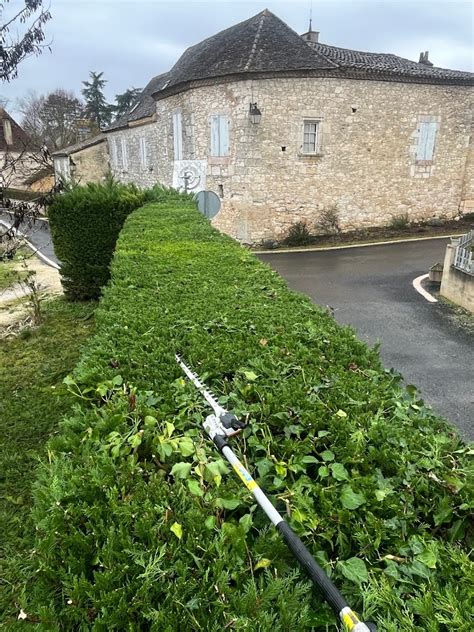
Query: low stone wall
[{"x": 457, "y": 286}]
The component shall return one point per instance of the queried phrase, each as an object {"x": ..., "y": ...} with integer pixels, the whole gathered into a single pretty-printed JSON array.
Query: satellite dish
[{"x": 208, "y": 203}]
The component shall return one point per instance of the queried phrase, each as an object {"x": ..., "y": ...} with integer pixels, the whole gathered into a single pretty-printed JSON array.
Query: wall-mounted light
[{"x": 255, "y": 114}]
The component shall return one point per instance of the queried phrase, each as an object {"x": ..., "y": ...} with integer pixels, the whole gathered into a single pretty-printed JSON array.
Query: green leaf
[
  {"x": 186, "y": 446},
  {"x": 263, "y": 563},
  {"x": 351, "y": 499},
  {"x": 229, "y": 503},
  {"x": 246, "y": 522},
  {"x": 177, "y": 529},
  {"x": 210, "y": 522},
  {"x": 309, "y": 459},
  {"x": 194, "y": 487},
  {"x": 429, "y": 556},
  {"x": 250, "y": 376},
  {"x": 136, "y": 440},
  {"x": 150, "y": 421},
  {"x": 355, "y": 570},
  {"x": 323, "y": 471},
  {"x": 341, "y": 413},
  {"x": 339, "y": 472},
  {"x": 327, "y": 455},
  {"x": 181, "y": 470}
]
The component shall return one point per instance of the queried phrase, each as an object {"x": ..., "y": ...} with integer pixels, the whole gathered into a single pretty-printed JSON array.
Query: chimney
[
  {"x": 311, "y": 36},
  {"x": 424, "y": 59}
]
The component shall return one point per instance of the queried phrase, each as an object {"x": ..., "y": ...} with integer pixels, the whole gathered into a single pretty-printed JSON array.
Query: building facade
[
  {"x": 87, "y": 161},
  {"x": 284, "y": 129}
]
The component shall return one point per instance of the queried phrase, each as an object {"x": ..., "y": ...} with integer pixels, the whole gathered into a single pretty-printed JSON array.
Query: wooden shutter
[
  {"x": 219, "y": 135},
  {"x": 426, "y": 140},
  {"x": 223, "y": 135},
  {"x": 177, "y": 136},
  {"x": 215, "y": 136},
  {"x": 143, "y": 153}
]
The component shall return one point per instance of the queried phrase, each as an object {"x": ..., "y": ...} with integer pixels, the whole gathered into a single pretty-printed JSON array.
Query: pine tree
[
  {"x": 97, "y": 108},
  {"x": 126, "y": 101}
]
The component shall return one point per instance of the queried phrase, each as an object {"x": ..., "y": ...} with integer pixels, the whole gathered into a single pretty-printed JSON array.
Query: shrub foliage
[
  {"x": 85, "y": 222},
  {"x": 142, "y": 526}
]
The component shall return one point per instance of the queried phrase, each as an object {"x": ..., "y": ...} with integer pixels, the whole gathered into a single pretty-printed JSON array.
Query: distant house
[
  {"x": 87, "y": 161},
  {"x": 284, "y": 128},
  {"x": 18, "y": 156}
]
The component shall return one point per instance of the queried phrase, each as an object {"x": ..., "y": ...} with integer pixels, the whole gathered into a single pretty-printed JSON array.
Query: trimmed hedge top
[{"x": 141, "y": 526}]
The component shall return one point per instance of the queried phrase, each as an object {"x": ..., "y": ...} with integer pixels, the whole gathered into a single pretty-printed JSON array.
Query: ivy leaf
[
  {"x": 263, "y": 563},
  {"x": 210, "y": 522},
  {"x": 136, "y": 440},
  {"x": 194, "y": 487},
  {"x": 351, "y": 499},
  {"x": 428, "y": 557},
  {"x": 181, "y": 470},
  {"x": 327, "y": 455},
  {"x": 355, "y": 570},
  {"x": 229, "y": 503},
  {"x": 177, "y": 529},
  {"x": 309, "y": 459},
  {"x": 323, "y": 471},
  {"x": 339, "y": 472},
  {"x": 341, "y": 413}
]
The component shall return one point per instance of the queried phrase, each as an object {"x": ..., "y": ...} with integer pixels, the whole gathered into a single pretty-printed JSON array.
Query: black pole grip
[{"x": 315, "y": 572}]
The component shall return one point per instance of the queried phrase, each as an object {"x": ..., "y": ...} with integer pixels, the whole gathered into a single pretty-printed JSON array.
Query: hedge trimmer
[{"x": 222, "y": 425}]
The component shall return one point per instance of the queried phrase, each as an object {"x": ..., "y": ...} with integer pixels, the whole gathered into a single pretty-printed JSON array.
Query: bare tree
[
  {"x": 56, "y": 119},
  {"x": 21, "y": 33}
]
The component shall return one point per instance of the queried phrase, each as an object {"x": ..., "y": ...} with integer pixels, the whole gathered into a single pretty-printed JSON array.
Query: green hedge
[
  {"x": 85, "y": 222},
  {"x": 140, "y": 524}
]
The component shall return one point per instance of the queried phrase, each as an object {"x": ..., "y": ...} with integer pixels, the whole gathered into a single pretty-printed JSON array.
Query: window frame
[{"x": 318, "y": 136}]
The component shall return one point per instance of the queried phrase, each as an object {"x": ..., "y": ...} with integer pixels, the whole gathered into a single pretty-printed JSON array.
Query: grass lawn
[
  {"x": 11, "y": 271},
  {"x": 32, "y": 367}
]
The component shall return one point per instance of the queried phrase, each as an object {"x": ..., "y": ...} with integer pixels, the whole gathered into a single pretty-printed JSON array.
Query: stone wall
[
  {"x": 467, "y": 201},
  {"x": 90, "y": 164},
  {"x": 366, "y": 168},
  {"x": 456, "y": 285}
]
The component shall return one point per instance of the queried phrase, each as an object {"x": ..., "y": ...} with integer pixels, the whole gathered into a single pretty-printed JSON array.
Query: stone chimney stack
[
  {"x": 424, "y": 59},
  {"x": 311, "y": 36}
]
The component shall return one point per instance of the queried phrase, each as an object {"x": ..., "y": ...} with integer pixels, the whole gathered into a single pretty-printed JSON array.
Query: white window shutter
[
  {"x": 223, "y": 136},
  {"x": 143, "y": 153},
  {"x": 215, "y": 136},
  {"x": 177, "y": 136},
  {"x": 124, "y": 155},
  {"x": 426, "y": 140}
]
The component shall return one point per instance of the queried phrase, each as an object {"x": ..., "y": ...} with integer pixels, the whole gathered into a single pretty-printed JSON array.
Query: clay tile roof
[
  {"x": 264, "y": 43},
  {"x": 146, "y": 104},
  {"x": 388, "y": 64},
  {"x": 20, "y": 138}
]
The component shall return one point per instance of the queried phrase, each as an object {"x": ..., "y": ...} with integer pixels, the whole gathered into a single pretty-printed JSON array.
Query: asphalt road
[
  {"x": 371, "y": 289},
  {"x": 38, "y": 234}
]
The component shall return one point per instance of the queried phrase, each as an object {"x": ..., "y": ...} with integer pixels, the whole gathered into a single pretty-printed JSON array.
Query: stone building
[
  {"x": 87, "y": 161},
  {"x": 19, "y": 159},
  {"x": 286, "y": 129}
]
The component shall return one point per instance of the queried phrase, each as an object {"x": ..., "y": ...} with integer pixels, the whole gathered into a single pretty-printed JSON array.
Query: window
[
  {"x": 219, "y": 135},
  {"x": 7, "y": 132},
  {"x": 143, "y": 153},
  {"x": 177, "y": 136},
  {"x": 124, "y": 155},
  {"x": 426, "y": 140},
  {"x": 311, "y": 137}
]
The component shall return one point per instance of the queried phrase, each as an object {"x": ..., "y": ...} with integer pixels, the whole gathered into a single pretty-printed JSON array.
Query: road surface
[{"x": 371, "y": 289}]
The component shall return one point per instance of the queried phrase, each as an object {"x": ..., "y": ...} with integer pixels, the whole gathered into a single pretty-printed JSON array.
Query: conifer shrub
[
  {"x": 141, "y": 525},
  {"x": 85, "y": 222}
]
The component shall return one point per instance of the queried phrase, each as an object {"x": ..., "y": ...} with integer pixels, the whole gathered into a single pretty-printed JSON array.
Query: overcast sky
[{"x": 133, "y": 40}]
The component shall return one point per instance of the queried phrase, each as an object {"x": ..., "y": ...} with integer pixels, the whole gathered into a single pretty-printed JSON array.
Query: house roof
[
  {"x": 264, "y": 43},
  {"x": 72, "y": 149},
  {"x": 387, "y": 63},
  {"x": 44, "y": 172},
  {"x": 145, "y": 106},
  {"x": 20, "y": 139}
]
